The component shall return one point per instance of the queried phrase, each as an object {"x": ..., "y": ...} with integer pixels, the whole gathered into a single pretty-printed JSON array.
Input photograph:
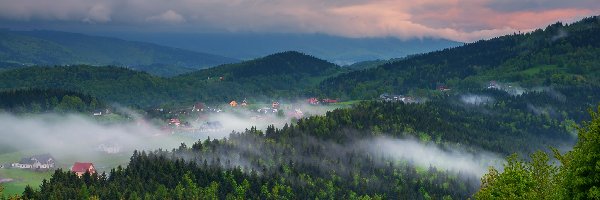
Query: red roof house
[
  {"x": 80, "y": 168},
  {"x": 313, "y": 101},
  {"x": 329, "y": 100}
]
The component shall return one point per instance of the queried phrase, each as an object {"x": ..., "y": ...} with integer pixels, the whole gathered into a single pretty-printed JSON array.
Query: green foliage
[
  {"x": 577, "y": 178},
  {"x": 44, "y": 100},
  {"x": 539, "y": 58},
  {"x": 581, "y": 166},
  {"x": 283, "y": 75}
]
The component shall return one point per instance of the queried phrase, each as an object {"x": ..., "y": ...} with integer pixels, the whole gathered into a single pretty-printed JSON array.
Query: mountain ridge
[{"x": 27, "y": 48}]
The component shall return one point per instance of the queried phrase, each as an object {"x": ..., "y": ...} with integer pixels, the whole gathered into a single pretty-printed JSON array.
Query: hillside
[
  {"x": 281, "y": 75},
  {"x": 348, "y": 153},
  {"x": 557, "y": 56},
  {"x": 113, "y": 84},
  {"x": 62, "y": 48}
]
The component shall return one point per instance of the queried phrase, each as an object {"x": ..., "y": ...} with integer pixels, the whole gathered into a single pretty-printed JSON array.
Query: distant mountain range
[
  {"x": 559, "y": 56},
  {"x": 338, "y": 50},
  {"x": 18, "y": 48}
]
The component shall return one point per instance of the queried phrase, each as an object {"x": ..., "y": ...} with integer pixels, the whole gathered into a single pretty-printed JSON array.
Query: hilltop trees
[{"x": 578, "y": 177}]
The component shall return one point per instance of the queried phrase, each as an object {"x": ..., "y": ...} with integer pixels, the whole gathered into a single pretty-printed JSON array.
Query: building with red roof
[{"x": 81, "y": 168}]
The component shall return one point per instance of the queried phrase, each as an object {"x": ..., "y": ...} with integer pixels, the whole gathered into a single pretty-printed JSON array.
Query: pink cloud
[{"x": 462, "y": 20}]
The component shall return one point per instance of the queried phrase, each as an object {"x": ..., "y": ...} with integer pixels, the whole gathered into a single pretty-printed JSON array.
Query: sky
[{"x": 459, "y": 20}]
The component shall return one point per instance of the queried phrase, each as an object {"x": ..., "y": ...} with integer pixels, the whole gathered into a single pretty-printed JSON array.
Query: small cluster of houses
[
  {"x": 36, "y": 162},
  {"x": 316, "y": 101},
  {"x": 493, "y": 85},
  {"x": 100, "y": 112},
  {"x": 397, "y": 98},
  {"x": 47, "y": 162},
  {"x": 201, "y": 107},
  {"x": 235, "y": 103},
  {"x": 109, "y": 148}
]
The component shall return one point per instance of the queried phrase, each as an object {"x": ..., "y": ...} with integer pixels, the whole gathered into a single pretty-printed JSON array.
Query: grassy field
[{"x": 22, "y": 178}]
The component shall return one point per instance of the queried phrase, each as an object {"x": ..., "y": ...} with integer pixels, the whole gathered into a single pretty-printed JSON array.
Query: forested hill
[
  {"x": 558, "y": 55},
  {"x": 336, "y": 156},
  {"x": 282, "y": 75},
  {"x": 113, "y": 84},
  {"x": 63, "y": 48}
]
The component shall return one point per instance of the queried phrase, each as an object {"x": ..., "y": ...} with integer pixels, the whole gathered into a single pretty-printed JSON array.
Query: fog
[
  {"x": 452, "y": 159},
  {"x": 75, "y": 137},
  {"x": 474, "y": 99},
  {"x": 240, "y": 118}
]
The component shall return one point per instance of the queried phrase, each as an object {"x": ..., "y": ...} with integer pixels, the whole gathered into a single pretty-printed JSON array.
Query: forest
[
  {"x": 47, "y": 100},
  {"x": 333, "y": 156},
  {"x": 287, "y": 75},
  {"x": 559, "y": 55}
]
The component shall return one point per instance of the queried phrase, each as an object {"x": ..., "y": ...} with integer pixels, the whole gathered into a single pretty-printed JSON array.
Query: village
[
  {"x": 184, "y": 124},
  {"x": 200, "y": 119}
]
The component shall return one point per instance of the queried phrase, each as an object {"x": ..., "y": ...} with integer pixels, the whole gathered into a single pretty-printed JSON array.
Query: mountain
[
  {"x": 281, "y": 75},
  {"x": 338, "y": 50},
  {"x": 560, "y": 55},
  {"x": 63, "y": 48}
]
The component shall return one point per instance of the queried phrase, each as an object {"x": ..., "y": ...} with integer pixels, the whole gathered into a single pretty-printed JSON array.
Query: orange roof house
[
  {"x": 81, "y": 168},
  {"x": 233, "y": 104}
]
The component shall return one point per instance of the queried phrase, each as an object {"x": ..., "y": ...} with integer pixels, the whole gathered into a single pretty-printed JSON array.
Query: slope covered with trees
[
  {"x": 282, "y": 75},
  {"x": 577, "y": 176},
  {"x": 40, "y": 100},
  {"x": 556, "y": 56},
  {"x": 321, "y": 157},
  {"x": 61, "y": 48}
]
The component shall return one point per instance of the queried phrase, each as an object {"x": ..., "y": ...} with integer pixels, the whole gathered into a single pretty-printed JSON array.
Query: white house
[{"x": 43, "y": 161}]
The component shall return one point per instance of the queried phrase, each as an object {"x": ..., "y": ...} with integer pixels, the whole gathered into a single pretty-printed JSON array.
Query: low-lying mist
[
  {"x": 75, "y": 137},
  {"x": 452, "y": 159}
]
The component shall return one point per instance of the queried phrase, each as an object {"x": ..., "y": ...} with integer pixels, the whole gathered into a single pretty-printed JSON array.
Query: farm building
[
  {"x": 81, "y": 168},
  {"x": 43, "y": 161}
]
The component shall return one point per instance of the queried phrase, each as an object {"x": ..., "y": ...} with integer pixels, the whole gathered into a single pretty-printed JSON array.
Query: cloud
[
  {"x": 69, "y": 137},
  {"x": 461, "y": 20},
  {"x": 425, "y": 155},
  {"x": 168, "y": 16},
  {"x": 98, "y": 13}
]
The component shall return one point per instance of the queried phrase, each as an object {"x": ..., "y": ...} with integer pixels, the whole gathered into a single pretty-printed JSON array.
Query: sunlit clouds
[{"x": 461, "y": 20}]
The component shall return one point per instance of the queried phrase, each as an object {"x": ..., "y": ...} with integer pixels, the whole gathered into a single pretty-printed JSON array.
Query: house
[
  {"x": 267, "y": 110},
  {"x": 97, "y": 113},
  {"x": 493, "y": 85},
  {"x": 233, "y": 103},
  {"x": 329, "y": 100},
  {"x": 275, "y": 105},
  {"x": 81, "y": 168},
  {"x": 174, "y": 121},
  {"x": 244, "y": 102},
  {"x": 42, "y": 161},
  {"x": 198, "y": 107},
  {"x": 443, "y": 88},
  {"x": 109, "y": 148},
  {"x": 397, "y": 98},
  {"x": 313, "y": 101}
]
